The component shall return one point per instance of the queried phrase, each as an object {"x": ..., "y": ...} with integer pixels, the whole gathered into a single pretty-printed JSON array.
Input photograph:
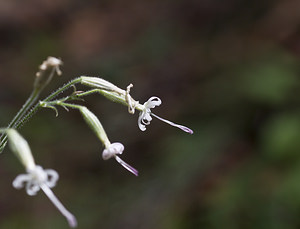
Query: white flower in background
[
  {"x": 34, "y": 178},
  {"x": 145, "y": 116},
  {"x": 112, "y": 151},
  {"x": 38, "y": 178}
]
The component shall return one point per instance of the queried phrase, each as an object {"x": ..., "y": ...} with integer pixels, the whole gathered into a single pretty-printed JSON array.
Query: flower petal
[
  {"x": 153, "y": 102},
  {"x": 112, "y": 150},
  {"x": 20, "y": 180},
  {"x": 52, "y": 177},
  {"x": 141, "y": 126},
  {"x": 32, "y": 188}
]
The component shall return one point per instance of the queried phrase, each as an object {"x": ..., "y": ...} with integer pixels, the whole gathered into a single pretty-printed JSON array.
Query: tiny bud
[
  {"x": 46, "y": 72},
  {"x": 21, "y": 148}
]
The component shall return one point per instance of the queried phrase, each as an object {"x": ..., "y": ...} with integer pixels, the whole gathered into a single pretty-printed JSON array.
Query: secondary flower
[
  {"x": 112, "y": 151},
  {"x": 38, "y": 178},
  {"x": 34, "y": 178},
  {"x": 145, "y": 115}
]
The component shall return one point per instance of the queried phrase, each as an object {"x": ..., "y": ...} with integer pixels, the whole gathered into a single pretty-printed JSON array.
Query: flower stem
[
  {"x": 29, "y": 102},
  {"x": 25, "y": 114}
]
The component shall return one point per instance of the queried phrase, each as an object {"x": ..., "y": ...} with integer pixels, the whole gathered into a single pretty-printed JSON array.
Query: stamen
[
  {"x": 184, "y": 128},
  {"x": 112, "y": 151},
  {"x": 126, "y": 166},
  {"x": 69, "y": 216}
]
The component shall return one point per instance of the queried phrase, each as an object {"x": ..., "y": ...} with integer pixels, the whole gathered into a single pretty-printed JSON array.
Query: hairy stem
[
  {"x": 29, "y": 102},
  {"x": 25, "y": 114}
]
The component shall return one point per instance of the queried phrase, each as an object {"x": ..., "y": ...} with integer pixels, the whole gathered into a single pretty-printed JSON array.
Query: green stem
[
  {"x": 20, "y": 119},
  {"x": 49, "y": 98},
  {"x": 29, "y": 102}
]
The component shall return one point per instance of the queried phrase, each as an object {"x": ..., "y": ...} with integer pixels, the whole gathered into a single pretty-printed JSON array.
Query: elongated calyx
[{"x": 20, "y": 148}]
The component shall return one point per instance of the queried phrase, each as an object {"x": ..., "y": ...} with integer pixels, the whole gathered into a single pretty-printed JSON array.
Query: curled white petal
[
  {"x": 34, "y": 178},
  {"x": 32, "y": 188},
  {"x": 115, "y": 149},
  {"x": 38, "y": 178},
  {"x": 141, "y": 125},
  {"x": 52, "y": 177},
  {"x": 112, "y": 150},
  {"x": 152, "y": 102},
  {"x": 145, "y": 115},
  {"x": 20, "y": 180}
]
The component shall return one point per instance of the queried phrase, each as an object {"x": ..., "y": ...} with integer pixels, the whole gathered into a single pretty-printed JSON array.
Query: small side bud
[
  {"x": 94, "y": 123},
  {"x": 46, "y": 72},
  {"x": 21, "y": 148}
]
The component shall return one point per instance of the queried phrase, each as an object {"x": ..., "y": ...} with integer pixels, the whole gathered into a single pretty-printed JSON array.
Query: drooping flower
[
  {"x": 38, "y": 178},
  {"x": 145, "y": 116},
  {"x": 34, "y": 178},
  {"x": 115, "y": 149}
]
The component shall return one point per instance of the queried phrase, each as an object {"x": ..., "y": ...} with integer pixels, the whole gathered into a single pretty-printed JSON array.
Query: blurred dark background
[{"x": 227, "y": 69}]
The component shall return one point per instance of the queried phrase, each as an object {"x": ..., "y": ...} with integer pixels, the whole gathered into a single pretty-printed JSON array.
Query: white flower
[
  {"x": 145, "y": 116},
  {"x": 34, "y": 178},
  {"x": 38, "y": 178},
  {"x": 117, "y": 148}
]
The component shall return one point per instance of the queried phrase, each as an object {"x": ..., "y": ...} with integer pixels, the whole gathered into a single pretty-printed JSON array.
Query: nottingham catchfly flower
[
  {"x": 111, "y": 149},
  {"x": 36, "y": 177},
  {"x": 145, "y": 115}
]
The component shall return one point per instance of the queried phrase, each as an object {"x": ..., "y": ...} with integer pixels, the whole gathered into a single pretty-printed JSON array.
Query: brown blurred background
[{"x": 227, "y": 69}]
